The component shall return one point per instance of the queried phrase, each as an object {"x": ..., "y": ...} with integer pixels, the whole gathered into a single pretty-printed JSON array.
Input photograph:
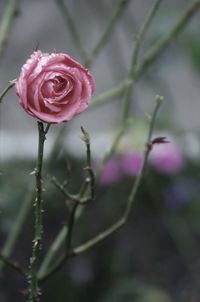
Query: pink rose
[{"x": 54, "y": 87}]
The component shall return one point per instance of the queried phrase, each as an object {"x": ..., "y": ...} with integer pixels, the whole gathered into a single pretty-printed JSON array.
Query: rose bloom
[{"x": 54, "y": 87}]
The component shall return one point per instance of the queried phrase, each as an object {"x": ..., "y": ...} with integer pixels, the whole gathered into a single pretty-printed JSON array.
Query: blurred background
[{"x": 155, "y": 257}]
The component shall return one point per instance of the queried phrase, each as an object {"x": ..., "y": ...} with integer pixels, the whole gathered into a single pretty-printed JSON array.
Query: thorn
[
  {"x": 86, "y": 137},
  {"x": 160, "y": 140},
  {"x": 33, "y": 172}
]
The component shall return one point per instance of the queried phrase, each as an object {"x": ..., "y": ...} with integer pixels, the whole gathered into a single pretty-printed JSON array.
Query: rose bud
[{"x": 54, "y": 88}]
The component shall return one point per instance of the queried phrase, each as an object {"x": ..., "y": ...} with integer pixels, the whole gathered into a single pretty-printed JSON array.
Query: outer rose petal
[{"x": 54, "y": 87}]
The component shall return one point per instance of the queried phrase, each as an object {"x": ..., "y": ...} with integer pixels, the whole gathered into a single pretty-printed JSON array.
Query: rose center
[
  {"x": 56, "y": 86},
  {"x": 59, "y": 84}
]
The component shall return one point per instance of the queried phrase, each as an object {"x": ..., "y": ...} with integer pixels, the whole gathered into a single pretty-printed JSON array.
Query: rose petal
[{"x": 54, "y": 87}]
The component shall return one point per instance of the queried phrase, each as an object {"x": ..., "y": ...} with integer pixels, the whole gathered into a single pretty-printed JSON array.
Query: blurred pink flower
[
  {"x": 131, "y": 163},
  {"x": 111, "y": 172},
  {"x": 167, "y": 158},
  {"x": 120, "y": 165}
]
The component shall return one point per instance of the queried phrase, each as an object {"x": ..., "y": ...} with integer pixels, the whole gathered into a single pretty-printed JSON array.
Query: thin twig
[
  {"x": 86, "y": 139},
  {"x": 62, "y": 189},
  {"x": 120, "y": 222},
  {"x": 136, "y": 46},
  {"x": 131, "y": 198},
  {"x": 139, "y": 69},
  {"x": 70, "y": 227},
  {"x": 57, "y": 145},
  {"x": 19, "y": 222},
  {"x": 141, "y": 33},
  {"x": 122, "y": 126},
  {"x": 116, "y": 92},
  {"x": 13, "y": 264},
  {"x": 79, "y": 199},
  {"x": 3, "y": 93},
  {"x": 72, "y": 28},
  {"x": 162, "y": 44},
  {"x": 55, "y": 246},
  {"x": 151, "y": 55},
  {"x": 6, "y": 23},
  {"x": 129, "y": 88},
  {"x": 117, "y": 13}
]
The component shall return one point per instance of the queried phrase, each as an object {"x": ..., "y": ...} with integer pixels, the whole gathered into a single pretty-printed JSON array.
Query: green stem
[
  {"x": 111, "y": 149},
  {"x": 131, "y": 198},
  {"x": 20, "y": 220},
  {"x": 118, "y": 11},
  {"x": 142, "y": 31},
  {"x": 79, "y": 199},
  {"x": 120, "y": 222},
  {"x": 150, "y": 57},
  {"x": 26, "y": 204},
  {"x": 3, "y": 93},
  {"x": 44, "y": 272},
  {"x": 6, "y": 23},
  {"x": 72, "y": 28},
  {"x": 139, "y": 70},
  {"x": 115, "y": 92},
  {"x": 147, "y": 150},
  {"x": 86, "y": 139},
  {"x": 161, "y": 45},
  {"x": 129, "y": 86},
  {"x": 54, "y": 248},
  {"x": 57, "y": 145},
  {"x": 127, "y": 91},
  {"x": 12, "y": 264},
  {"x": 70, "y": 227},
  {"x": 136, "y": 46},
  {"x": 33, "y": 290},
  {"x": 62, "y": 189}
]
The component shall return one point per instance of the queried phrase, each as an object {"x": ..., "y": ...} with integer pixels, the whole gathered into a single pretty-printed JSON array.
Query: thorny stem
[
  {"x": 78, "y": 199},
  {"x": 33, "y": 290},
  {"x": 26, "y": 204},
  {"x": 120, "y": 222},
  {"x": 86, "y": 139}
]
